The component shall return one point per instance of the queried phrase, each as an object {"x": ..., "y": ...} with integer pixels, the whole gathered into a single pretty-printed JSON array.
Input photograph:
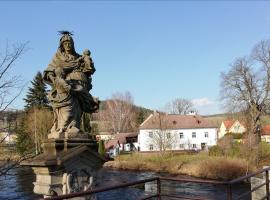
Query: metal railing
[{"x": 159, "y": 194}]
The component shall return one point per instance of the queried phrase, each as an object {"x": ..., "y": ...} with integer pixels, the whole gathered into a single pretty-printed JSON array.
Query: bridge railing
[{"x": 159, "y": 194}]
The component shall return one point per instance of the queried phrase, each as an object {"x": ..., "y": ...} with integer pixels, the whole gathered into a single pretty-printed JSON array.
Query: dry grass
[
  {"x": 8, "y": 155},
  {"x": 197, "y": 165},
  {"x": 220, "y": 168}
]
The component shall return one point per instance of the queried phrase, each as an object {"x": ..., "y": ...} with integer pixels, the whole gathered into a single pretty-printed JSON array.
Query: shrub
[
  {"x": 101, "y": 148},
  {"x": 222, "y": 168},
  {"x": 225, "y": 143},
  {"x": 235, "y": 135},
  {"x": 264, "y": 151},
  {"x": 215, "y": 151},
  {"x": 235, "y": 150}
]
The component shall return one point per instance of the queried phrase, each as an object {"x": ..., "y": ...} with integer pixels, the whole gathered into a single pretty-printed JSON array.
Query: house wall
[
  {"x": 237, "y": 128},
  {"x": 185, "y": 143},
  {"x": 222, "y": 131},
  {"x": 104, "y": 137},
  {"x": 265, "y": 138}
]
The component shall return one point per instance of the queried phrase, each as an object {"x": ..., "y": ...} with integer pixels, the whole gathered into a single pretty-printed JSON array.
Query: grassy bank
[
  {"x": 6, "y": 154},
  {"x": 198, "y": 165}
]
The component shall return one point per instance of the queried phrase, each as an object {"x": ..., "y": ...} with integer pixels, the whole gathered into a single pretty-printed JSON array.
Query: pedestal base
[{"x": 65, "y": 166}]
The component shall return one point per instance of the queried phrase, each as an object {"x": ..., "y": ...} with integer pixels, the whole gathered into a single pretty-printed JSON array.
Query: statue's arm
[
  {"x": 51, "y": 77},
  {"x": 49, "y": 73}
]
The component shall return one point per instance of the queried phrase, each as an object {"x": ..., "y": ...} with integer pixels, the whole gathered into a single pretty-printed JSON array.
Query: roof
[
  {"x": 168, "y": 121},
  {"x": 228, "y": 123},
  {"x": 266, "y": 130},
  {"x": 121, "y": 138}
]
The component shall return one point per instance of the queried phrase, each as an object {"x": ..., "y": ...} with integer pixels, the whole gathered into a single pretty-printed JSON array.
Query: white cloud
[{"x": 202, "y": 102}]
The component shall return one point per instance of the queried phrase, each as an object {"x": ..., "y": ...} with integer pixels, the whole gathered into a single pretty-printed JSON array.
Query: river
[{"x": 18, "y": 185}]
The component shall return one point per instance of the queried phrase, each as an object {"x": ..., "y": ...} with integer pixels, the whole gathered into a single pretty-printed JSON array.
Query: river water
[{"x": 18, "y": 185}]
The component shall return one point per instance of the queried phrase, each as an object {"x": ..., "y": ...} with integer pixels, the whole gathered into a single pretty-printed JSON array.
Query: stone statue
[
  {"x": 69, "y": 74},
  {"x": 69, "y": 160}
]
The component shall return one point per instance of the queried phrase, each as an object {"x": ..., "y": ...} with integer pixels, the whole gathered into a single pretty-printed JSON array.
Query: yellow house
[{"x": 230, "y": 126}]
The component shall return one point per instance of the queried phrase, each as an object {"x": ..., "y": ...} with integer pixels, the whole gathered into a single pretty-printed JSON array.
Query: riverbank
[
  {"x": 197, "y": 165},
  {"x": 9, "y": 155}
]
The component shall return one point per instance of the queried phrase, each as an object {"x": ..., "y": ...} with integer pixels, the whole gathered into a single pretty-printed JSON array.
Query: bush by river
[{"x": 198, "y": 165}]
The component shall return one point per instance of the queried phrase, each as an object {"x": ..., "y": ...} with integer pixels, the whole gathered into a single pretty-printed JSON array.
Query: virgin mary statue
[{"x": 69, "y": 75}]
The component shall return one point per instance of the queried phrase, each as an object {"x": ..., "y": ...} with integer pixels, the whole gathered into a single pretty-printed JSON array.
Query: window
[
  {"x": 194, "y": 146},
  {"x": 206, "y": 134},
  {"x": 181, "y": 135},
  {"x": 150, "y": 134},
  {"x": 181, "y": 146},
  {"x": 193, "y": 134},
  {"x": 151, "y": 147},
  {"x": 237, "y": 128},
  {"x": 168, "y": 135}
]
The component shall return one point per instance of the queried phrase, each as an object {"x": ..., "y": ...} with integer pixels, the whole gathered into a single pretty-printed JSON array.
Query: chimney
[{"x": 191, "y": 113}]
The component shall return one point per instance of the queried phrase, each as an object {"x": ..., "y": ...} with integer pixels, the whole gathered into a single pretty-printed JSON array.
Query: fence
[{"x": 159, "y": 194}]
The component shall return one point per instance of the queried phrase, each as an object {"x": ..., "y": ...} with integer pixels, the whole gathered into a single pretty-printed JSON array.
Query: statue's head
[{"x": 66, "y": 42}]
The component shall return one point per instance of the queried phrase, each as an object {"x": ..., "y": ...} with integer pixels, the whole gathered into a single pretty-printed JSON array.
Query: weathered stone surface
[
  {"x": 54, "y": 146},
  {"x": 69, "y": 74},
  {"x": 69, "y": 161},
  {"x": 69, "y": 166}
]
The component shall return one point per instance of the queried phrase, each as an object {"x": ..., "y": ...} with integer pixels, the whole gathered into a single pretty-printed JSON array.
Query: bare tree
[
  {"x": 162, "y": 139},
  {"x": 39, "y": 122},
  {"x": 118, "y": 113},
  {"x": 10, "y": 87},
  {"x": 245, "y": 87},
  {"x": 180, "y": 106}
]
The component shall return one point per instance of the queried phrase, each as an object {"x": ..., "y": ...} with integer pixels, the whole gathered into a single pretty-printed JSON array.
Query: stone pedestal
[{"x": 65, "y": 166}]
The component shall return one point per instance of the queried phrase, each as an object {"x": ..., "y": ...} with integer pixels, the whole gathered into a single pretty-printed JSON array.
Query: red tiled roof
[
  {"x": 165, "y": 121},
  {"x": 110, "y": 144},
  {"x": 228, "y": 123},
  {"x": 266, "y": 130},
  {"x": 121, "y": 138}
]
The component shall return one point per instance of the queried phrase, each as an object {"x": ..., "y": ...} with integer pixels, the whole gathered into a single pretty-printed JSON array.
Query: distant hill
[
  {"x": 142, "y": 113},
  {"x": 218, "y": 118}
]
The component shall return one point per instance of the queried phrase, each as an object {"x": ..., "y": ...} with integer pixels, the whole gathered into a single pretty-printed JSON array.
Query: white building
[
  {"x": 104, "y": 136},
  {"x": 176, "y": 132}
]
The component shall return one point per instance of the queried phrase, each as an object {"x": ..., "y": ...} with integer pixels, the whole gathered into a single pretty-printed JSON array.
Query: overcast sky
[{"x": 157, "y": 50}]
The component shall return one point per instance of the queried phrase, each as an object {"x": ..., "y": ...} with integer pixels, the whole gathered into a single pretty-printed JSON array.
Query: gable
[
  {"x": 228, "y": 124},
  {"x": 237, "y": 127}
]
